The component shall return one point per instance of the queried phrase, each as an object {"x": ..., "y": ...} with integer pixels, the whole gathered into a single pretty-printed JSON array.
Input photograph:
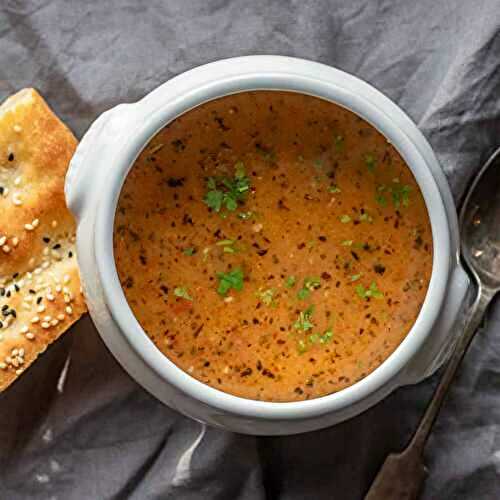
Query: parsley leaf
[
  {"x": 267, "y": 296},
  {"x": 310, "y": 283},
  {"x": 189, "y": 251},
  {"x": 334, "y": 189},
  {"x": 232, "y": 279},
  {"x": 370, "y": 162},
  {"x": 304, "y": 321},
  {"x": 345, "y": 219},
  {"x": 372, "y": 291},
  {"x": 290, "y": 281},
  {"x": 182, "y": 292},
  {"x": 226, "y": 192}
]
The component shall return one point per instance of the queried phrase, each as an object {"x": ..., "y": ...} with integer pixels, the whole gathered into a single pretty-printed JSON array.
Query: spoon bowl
[{"x": 480, "y": 225}]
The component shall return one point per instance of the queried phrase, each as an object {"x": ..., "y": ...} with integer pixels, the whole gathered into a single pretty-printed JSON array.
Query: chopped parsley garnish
[
  {"x": 189, "y": 251},
  {"x": 182, "y": 292},
  {"x": 334, "y": 189},
  {"x": 365, "y": 217},
  {"x": 267, "y": 296},
  {"x": 228, "y": 245},
  {"x": 347, "y": 243},
  {"x": 313, "y": 339},
  {"x": 400, "y": 194},
  {"x": 372, "y": 291},
  {"x": 310, "y": 283},
  {"x": 304, "y": 321},
  {"x": 345, "y": 219},
  {"x": 370, "y": 162},
  {"x": 246, "y": 215},
  {"x": 224, "y": 192},
  {"x": 355, "y": 277},
  {"x": 290, "y": 281},
  {"x": 339, "y": 142},
  {"x": 233, "y": 279}
]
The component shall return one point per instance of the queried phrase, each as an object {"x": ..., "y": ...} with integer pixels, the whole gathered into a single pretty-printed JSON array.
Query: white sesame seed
[
  {"x": 58, "y": 288},
  {"x": 28, "y": 227},
  {"x": 56, "y": 254},
  {"x": 65, "y": 289},
  {"x": 54, "y": 322},
  {"x": 14, "y": 352},
  {"x": 35, "y": 222},
  {"x": 69, "y": 310},
  {"x": 17, "y": 181},
  {"x": 66, "y": 279},
  {"x": 3, "y": 366},
  {"x": 30, "y": 336},
  {"x": 17, "y": 128},
  {"x": 20, "y": 361},
  {"x": 19, "y": 371},
  {"x": 26, "y": 306},
  {"x": 47, "y": 318},
  {"x": 50, "y": 297},
  {"x": 45, "y": 325},
  {"x": 3, "y": 240},
  {"x": 24, "y": 329},
  {"x": 14, "y": 362},
  {"x": 8, "y": 360},
  {"x": 21, "y": 352},
  {"x": 16, "y": 199},
  {"x": 54, "y": 223},
  {"x": 37, "y": 271},
  {"x": 45, "y": 265},
  {"x": 46, "y": 251},
  {"x": 6, "y": 191},
  {"x": 15, "y": 241},
  {"x": 35, "y": 319},
  {"x": 67, "y": 300},
  {"x": 61, "y": 317},
  {"x": 6, "y": 248},
  {"x": 40, "y": 308}
]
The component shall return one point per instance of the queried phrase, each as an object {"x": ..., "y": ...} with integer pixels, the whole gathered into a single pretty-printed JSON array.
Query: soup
[{"x": 273, "y": 245}]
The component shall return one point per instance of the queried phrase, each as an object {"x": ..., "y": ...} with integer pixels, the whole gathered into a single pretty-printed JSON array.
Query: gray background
[{"x": 95, "y": 434}]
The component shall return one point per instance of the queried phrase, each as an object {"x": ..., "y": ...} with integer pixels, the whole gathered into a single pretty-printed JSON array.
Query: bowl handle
[
  {"x": 94, "y": 151},
  {"x": 446, "y": 331}
]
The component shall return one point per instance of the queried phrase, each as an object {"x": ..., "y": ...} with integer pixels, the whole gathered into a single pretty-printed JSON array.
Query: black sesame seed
[
  {"x": 16, "y": 287},
  {"x": 1, "y": 190},
  {"x": 5, "y": 307},
  {"x": 32, "y": 291},
  {"x": 39, "y": 299},
  {"x": 70, "y": 254},
  {"x": 56, "y": 246},
  {"x": 15, "y": 275},
  {"x": 11, "y": 157},
  {"x": 46, "y": 239}
]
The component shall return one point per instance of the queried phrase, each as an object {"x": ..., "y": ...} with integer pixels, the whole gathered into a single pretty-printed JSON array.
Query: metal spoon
[{"x": 402, "y": 474}]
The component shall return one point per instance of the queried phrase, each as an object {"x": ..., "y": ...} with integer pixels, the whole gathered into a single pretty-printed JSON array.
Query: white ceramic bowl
[{"x": 93, "y": 185}]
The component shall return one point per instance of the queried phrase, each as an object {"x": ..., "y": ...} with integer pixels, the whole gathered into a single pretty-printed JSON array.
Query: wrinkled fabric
[{"x": 76, "y": 426}]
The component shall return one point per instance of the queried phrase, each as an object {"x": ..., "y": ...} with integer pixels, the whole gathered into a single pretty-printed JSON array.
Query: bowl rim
[{"x": 282, "y": 75}]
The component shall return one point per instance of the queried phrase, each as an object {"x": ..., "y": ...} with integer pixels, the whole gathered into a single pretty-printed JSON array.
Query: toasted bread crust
[{"x": 38, "y": 269}]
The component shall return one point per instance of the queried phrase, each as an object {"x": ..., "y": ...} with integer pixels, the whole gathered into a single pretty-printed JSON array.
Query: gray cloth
[{"x": 76, "y": 426}]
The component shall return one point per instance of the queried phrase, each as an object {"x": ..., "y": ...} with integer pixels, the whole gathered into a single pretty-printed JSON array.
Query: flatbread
[{"x": 40, "y": 293}]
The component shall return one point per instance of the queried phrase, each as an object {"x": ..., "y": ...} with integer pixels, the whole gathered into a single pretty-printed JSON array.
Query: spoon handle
[
  {"x": 470, "y": 329},
  {"x": 402, "y": 474}
]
